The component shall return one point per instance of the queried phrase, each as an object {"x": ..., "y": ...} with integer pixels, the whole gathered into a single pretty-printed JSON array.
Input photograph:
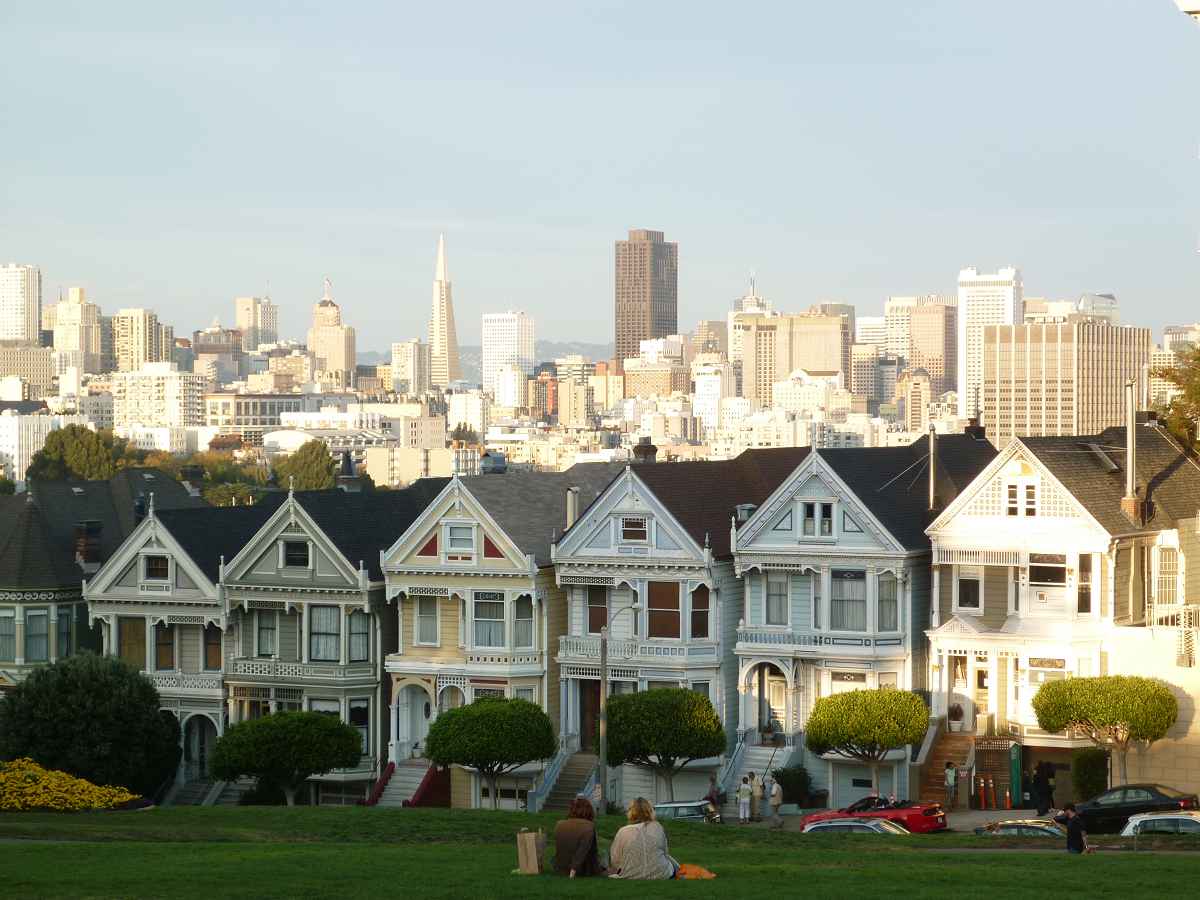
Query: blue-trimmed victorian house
[
  {"x": 836, "y": 567},
  {"x": 659, "y": 539}
]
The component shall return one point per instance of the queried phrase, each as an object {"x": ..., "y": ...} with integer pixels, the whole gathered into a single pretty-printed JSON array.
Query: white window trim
[
  {"x": 446, "y": 550},
  {"x": 257, "y": 614},
  {"x": 533, "y": 629},
  {"x": 437, "y": 618},
  {"x": 284, "y": 568},
  {"x": 1022, "y": 483},
  {"x": 787, "y": 600},
  {"x": 143, "y": 581},
  {"x": 681, "y": 586},
  {"x": 969, "y": 611},
  {"x": 690, "y": 595},
  {"x": 834, "y": 526},
  {"x": 532, "y": 688},
  {"x": 350, "y": 634},
  {"x": 899, "y": 629},
  {"x": 505, "y": 616},
  {"x": 608, "y": 611},
  {"x": 638, "y": 542}
]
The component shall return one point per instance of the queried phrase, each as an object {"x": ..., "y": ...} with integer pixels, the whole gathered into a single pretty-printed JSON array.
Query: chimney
[
  {"x": 933, "y": 461},
  {"x": 743, "y": 511},
  {"x": 1131, "y": 505},
  {"x": 974, "y": 430},
  {"x": 347, "y": 478},
  {"x": 644, "y": 451},
  {"x": 572, "y": 506},
  {"x": 139, "y": 508}
]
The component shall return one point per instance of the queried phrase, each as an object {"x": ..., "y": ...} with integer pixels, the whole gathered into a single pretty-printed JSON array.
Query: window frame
[
  {"x": 146, "y": 559},
  {"x": 589, "y": 606},
  {"x": 521, "y": 690},
  {"x": 418, "y": 617},
  {"x": 284, "y": 550},
  {"x": 491, "y": 597},
  {"x": 651, "y": 609},
  {"x": 313, "y": 634},
  {"x": 363, "y": 703},
  {"x": 171, "y": 633},
  {"x": 624, "y": 531},
  {"x": 206, "y": 645},
  {"x": 880, "y": 579},
  {"x": 8, "y": 614},
  {"x": 518, "y": 620},
  {"x": 838, "y": 576},
  {"x": 271, "y": 617},
  {"x": 776, "y": 578},
  {"x": 694, "y": 613},
  {"x": 37, "y": 612},
  {"x": 823, "y": 519},
  {"x": 461, "y": 555},
  {"x": 64, "y": 615},
  {"x": 968, "y": 573},
  {"x": 357, "y": 615}
]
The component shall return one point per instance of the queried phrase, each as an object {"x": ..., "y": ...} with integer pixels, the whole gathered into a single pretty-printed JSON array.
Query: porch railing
[
  {"x": 583, "y": 647},
  {"x": 274, "y": 668},
  {"x": 536, "y": 798},
  {"x": 733, "y": 763},
  {"x": 757, "y": 634},
  {"x": 182, "y": 681},
  {"x": 380, "y": 785}
]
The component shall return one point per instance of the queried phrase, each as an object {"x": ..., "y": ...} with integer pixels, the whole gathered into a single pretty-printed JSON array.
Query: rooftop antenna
[{"x": 328, "y": 288}]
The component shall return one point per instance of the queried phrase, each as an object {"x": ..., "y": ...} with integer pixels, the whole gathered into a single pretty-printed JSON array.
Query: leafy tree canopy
[
  {"x": 1114, "y": 711},
  {"x": 94, "y": 717},
  {"x": 1183, "y": 412},
  {"x": 492, "y": 736},
  {"x": 663, "y": 730},
  {"x": 7, "y": 486},
  {"x": 79, "y": 452},
  {"x": 866, "y": 725},
  {"x": 286, "y": 749},
  {"x": 310, "y": 468}
]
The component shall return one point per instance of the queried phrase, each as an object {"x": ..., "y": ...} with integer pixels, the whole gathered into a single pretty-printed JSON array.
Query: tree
[
  {"x": 663, "y": 730},
  {"x": 7, "y": 487},
  {"x": 492, "y": 736},
  {"x": 1116, "y": 712},
  {"x": 464, "y": 433},
  {"x": 286, "y": 749},
  {"x": 94, "y": 717},
  {"x": 1183, "y": 412},
  {"x": 866, "y": 725},
  {"x": 310, "y": 468},
  {"x": 78, "y": 452}
]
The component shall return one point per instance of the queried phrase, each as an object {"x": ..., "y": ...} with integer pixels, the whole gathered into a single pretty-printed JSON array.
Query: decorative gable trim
[{"x": 148, "y": 535}]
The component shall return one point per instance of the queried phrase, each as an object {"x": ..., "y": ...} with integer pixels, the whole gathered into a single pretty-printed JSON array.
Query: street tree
[
  {"x": 491, "y": 736},
  {"x": 663, "y": 730},
  {"x": 310, "y": 468},
  {"x": 1116, "y": 712},
  {"x": 78, "y": 452},
  {"x": 286, "y": 749},
  {"x": 866, "y": 725}
]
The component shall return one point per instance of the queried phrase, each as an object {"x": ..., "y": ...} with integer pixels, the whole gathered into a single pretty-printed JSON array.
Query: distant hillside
[{"x": 469, "y": 355}]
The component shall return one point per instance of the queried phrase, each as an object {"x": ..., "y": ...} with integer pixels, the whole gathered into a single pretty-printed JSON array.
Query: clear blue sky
[{"x": 177, "y": 155}]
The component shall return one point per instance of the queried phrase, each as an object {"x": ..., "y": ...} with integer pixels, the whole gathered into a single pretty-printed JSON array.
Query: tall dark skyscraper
[{"x": 646, "y": 291}]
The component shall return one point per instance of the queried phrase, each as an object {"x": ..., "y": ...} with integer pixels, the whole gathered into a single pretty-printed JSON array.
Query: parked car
[
  {"x": 858, "y": 825},
  {"x": 1039, "y": 828},
  {"x": 916, "y": 817},
  {"x": 1107, "y": 813},
  {"x": 688, "y": 811},
  {"x": 1186, "y": 821}
]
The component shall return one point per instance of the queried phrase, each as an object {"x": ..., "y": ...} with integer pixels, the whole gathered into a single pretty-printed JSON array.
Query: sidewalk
[{"x": 962, "y": 820}]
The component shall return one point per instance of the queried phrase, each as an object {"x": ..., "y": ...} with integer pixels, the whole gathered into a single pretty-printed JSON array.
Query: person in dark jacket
[
  {"x": 1076, "y": 836},
  {"x": 575, "y": 851},
  {"x": 1042, "y": 791}
]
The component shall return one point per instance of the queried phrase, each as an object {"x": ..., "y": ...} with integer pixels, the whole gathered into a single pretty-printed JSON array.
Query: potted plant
[{"x": 955, "y": 716}]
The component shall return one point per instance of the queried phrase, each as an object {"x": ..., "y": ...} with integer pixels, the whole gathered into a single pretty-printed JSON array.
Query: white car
[
  {"x": 1182, "y": 822},
  {"x": 861, "y": 826}
]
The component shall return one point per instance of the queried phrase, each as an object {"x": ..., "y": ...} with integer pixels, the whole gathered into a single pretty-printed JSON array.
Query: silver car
[
  {"x": 859, "y": 826},
  {"x": 1182, "y": 822}
]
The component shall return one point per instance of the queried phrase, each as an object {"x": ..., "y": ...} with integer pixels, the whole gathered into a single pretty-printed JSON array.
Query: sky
[{"x": 178, "y": 155}]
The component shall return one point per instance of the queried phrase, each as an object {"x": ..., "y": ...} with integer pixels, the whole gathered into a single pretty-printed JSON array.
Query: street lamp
[{"x": 633, "y": 607}]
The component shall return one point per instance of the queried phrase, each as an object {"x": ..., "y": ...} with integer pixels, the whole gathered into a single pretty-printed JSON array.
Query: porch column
[
  {"x": 52, "y": 634},
  {"x": 399, "y": 625},
  {"x": 344, "y": 641},
  {"x": 826, "y": 605},
  {"x": 392, "y": 729},
  {"x": 563, "y": 728},
  {"x": 872, "y": 618},
  {"x": 19, "y": 635},
  {"x": 935, "y": 600},
  {"x": 149, "y": 644},
  {"x": 302, "y": 612},
  {"x": 994, "y": 684}
]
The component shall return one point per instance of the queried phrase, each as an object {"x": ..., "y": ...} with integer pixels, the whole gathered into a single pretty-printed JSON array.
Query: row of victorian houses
[{"x": 764, "y": 582}]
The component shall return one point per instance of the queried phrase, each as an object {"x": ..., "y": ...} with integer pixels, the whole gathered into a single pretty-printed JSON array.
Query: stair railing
[
  {"x": 732, "y": 764},
  {"x": 380, "y": 785},
  {"x": 536, "y": 798}
]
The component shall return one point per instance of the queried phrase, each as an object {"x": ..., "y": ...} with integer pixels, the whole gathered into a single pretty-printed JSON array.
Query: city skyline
[{"x": 1114, "y": 211}]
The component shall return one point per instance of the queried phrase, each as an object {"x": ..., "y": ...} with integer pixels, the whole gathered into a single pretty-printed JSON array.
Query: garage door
[{"x": 854, "y": 782}]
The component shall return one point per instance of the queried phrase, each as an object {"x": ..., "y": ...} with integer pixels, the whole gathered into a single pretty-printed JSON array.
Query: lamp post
[{"x": 633, "y": 607}]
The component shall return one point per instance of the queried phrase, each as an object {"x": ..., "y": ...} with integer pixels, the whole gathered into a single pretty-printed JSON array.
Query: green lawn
[{"x": 273, "y": 852}]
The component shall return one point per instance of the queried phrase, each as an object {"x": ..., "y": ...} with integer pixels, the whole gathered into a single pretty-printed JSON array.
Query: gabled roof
[
  {"x": 30, "y": 558},
  {"x": 1092, "y": 469},
  {"x": 209, "y": 533},
  {"x": 893, "y": 482},
  {"x": 702, "y": 495},
  {"x": 531, "y": 507},
  {"x": 111, "y": 503}
]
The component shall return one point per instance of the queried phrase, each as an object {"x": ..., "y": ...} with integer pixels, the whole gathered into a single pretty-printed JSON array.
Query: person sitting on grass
[
  {"x": 639, "y": 849},
  {"x": 576, "y": 854}
]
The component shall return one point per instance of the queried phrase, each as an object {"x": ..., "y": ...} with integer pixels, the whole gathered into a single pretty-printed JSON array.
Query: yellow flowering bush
[{"x": 26, "y": 786}]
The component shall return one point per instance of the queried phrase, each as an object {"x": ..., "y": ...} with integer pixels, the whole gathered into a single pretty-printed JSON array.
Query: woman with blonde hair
[{"x": 639, "y": 849}]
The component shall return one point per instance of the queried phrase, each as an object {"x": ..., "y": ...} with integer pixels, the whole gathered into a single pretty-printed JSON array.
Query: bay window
[
  {"x": 360, "y": 720},
  {"x": 848, "y": 601},
  {"x": 489, "y": 619},
  {"x": 427, "y": 621},
  {"x": 164, "y": 647},
  {"x": 265, "y": 642},
  {"x": 700, "y": 610},
  {"x": 523, "y": 621},
  {"x": 37, "y": 635},
  {"x": 8, "y": 634},
  {"x": 1048, "y": 569},
  {"x": 664, "y": 609},
  {"x": 65, "y": 615},
  {"x": 597, "y": 608},
  {"x": 969, "y": 589},
  {"x": 777, "y": 598},
  {"x": 1083, "y": 600},
  {"x": 889, "y": 610},
  {"x": 325, "y": 634},
  {"x": 212, "y": 648},
  {"x": 360, "y": 636}
]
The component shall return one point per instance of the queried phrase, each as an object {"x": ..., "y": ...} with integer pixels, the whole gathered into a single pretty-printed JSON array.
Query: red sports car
[{"x": 916, "y": 817}]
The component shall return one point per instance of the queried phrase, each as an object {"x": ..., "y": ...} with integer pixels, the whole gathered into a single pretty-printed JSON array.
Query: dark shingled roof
[
  {"x": 531, "y": 507},
  {"x": 702, "y": 495},
  {"x": 359, "y": 524},
  {"x": 893, "y": 482},
  {"x": 1092, "y": 469},
  {"x": 30, "y": 558}
]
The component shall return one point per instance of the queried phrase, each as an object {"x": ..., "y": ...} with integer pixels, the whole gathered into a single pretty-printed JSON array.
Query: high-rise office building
[
  {"x": 20, "y": 303},
  {"x": 1058, "y": 378},
  {"x": 933, "y": 344},
  {"x": 751, "y": 304},
  {"x": 257, "y": 318},
  {"x": 507, "y": 339},
  {"x": 139, "y": 338},
  {"x": 77, "y": 330},
  {"x": 864, "y": 371},
  {"x": 914, "y": 393},
  {"x": 410, "y": 367},
  {"x": 158, "y": 395},
  {"x": 332, "y": 342},
  {"x": 444, "y": 366},
  {"x": 646, "y": 291},
  {"x": 775, "y": 346},
  {"x": 871, "y": 330},
  {"x": 897, "y": 316},
  {"x": 984, "y": 298},
  {"x": 710, "y": 336}
]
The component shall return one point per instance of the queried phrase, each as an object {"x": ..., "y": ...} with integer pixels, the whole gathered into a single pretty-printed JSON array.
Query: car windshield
[
  {"x": 893, "y": 827},
  {"x": 1170, "y": 792}
]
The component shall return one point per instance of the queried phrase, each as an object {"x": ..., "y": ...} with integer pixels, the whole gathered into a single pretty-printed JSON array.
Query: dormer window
[
  {"x": 460, "y": 543},
  {"x": 635, "y": 528},
  {"x": 818, "y": 519},
  {"x": 295, "y": 554},
  {"x": 1020, "y": 498},
  {"x": 157, "y": 568}
]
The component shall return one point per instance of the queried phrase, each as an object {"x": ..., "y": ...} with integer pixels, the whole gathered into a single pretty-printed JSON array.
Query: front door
[{"x": 589, "y": 714}]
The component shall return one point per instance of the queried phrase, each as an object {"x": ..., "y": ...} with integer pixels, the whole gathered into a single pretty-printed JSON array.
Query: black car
[
  {"x": 1039, "y": 828},
  {"x": 1107, "y": 813}
]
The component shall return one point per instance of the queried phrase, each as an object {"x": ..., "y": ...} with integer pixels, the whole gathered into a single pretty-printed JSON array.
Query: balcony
[
  {"x": 766, "y": 638},
  {"x": 505, "y": 659},
  {"x": 636, "y": 650},
  {"x": 193, "y": 683},
  {"x": 276, "y": 668}
]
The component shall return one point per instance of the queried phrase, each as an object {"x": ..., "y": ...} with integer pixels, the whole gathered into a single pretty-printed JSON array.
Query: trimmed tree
[
  {"x": 866, "y": 725},
  {"x": 492, "y": 736},
  {"x": 78, "y": 452},
  {"x": 311, "y": 468},
  {"x": 1116, "y": 712},
  {"x": 94, "y": 717},
  {"x": 286, "y": 749},
  {"x": 663, "y": 730}
]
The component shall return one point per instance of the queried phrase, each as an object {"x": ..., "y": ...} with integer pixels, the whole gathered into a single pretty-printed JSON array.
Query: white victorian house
[{"x": 836, "y": 572}]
